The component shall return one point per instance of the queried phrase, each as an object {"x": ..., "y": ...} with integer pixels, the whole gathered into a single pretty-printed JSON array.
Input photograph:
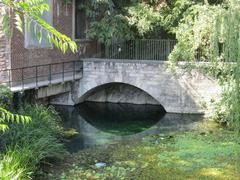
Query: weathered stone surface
[
  {"x": 179, "y": 93},
  {"x": 53, "y": 90},
  {"x": 120, "y": 93}
]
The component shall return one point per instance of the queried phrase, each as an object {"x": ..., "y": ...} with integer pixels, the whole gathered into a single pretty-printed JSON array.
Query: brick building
[{"x": 18, "y": 52}]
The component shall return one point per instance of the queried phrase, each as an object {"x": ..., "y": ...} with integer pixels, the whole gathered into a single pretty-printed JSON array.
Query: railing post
[
  {"x": 168, "y": 48},
  {"x": 74, "y": 69},
  {"x": 22, "y": 79},
  {"x": 50, "y": 73},
  {"x": 107, "y": 51},
  {"x": 36, "y": 74},
  {"x": 63, "y": 71},
  {"x": 9, "y": 78},
  {"x": 136, "y": 49}
]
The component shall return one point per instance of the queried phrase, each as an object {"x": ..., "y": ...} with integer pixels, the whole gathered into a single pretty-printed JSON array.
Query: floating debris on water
[
  {"x": 100, "y": 165},
  {"x": 70, "y": 133}
]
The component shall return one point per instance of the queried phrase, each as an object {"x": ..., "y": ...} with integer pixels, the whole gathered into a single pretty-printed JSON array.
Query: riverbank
[{"x": 207, "y": 152}]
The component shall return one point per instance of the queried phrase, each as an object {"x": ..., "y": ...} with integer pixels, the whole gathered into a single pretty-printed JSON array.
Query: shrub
[
  {"x": 26, "y": 146},
  {"x": 6, "y": 116},
  {"x": 5, "y": 97}
]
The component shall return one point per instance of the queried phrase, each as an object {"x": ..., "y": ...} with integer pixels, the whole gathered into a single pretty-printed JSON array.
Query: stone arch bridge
[{"x": 141, "y": 82}]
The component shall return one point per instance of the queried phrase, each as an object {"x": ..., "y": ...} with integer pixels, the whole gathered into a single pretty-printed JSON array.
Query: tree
[{"x": 226, "y": 43}]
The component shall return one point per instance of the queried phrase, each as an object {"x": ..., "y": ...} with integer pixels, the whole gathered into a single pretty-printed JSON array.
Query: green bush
[
  {"x": 5, "y": 97},
  {"x": 25, "y": 146}
]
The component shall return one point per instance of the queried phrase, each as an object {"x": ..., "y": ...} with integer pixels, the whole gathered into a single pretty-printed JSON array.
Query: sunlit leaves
[
  {"x": 194, "y": 34},
  {"x": 18, "y": 22},
  {"x": 143, "y": 17},
  {"x": 7, "y": 117},
  {"x": 29, "y": 12},
  {"x": 5, "y": 20},
  {"x": 3, "y": 127}
]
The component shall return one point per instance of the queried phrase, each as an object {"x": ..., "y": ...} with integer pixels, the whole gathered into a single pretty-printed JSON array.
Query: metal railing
[
  {"x": 32, "y": 77},
  {"x": 143, "y": 49}
]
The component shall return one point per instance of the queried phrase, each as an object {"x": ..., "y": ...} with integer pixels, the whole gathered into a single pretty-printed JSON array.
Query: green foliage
[
  {"x": 5, "y": 97},
  {"x": 109, "y": 27},
  {"x": 29, "y": 12},
  {"x": 122, "y": 20},
  {"x": 194, "y": 34},
  {"x": 107, "y": 20},
  {"x": 174, "y": 13},
  {"x": 226, "y": 32},
  {"x": 12, "y": 165},
  {"x": 176, "y": 10},
  {"x": 142, "y": 17},
  {"x": 26, "y": 146},
  {"x": 7, "y": 117},
  {"x": 211, "y": 33}
]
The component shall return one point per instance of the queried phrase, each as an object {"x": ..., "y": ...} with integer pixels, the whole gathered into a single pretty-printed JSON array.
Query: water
[{"x": 108, "y": 123}]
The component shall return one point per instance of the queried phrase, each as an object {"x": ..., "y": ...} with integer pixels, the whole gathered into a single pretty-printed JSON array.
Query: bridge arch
[{"x": 119, "y": 92}]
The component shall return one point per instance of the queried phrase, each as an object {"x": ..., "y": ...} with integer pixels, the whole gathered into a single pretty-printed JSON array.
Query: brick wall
[
  {"x": 62, "y": 21},
  {"x": 4, "y": 55}
]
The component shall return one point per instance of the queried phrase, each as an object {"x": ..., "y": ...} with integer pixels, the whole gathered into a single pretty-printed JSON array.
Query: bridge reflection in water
[{"x": 107, "y": 123}]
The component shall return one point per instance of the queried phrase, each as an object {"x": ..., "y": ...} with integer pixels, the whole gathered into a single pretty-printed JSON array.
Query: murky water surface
[{"x": 108, "y": 123}]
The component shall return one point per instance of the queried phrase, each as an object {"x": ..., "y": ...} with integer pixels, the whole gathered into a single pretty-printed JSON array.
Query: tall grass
[{"x": 26, "y": 146}]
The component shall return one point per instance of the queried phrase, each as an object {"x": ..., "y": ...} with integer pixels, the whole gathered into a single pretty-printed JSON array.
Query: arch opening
[{"x": 119, "y": 93}]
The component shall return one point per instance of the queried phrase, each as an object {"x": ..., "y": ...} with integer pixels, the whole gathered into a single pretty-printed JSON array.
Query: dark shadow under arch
[
  {"x": 117, "y": 92},
  {"x": 120, "y": 119}
]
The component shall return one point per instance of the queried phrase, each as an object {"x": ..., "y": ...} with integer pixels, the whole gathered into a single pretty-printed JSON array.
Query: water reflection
[
  {"x": 105, "y": 123},
  {"x": 120, "y": 119}
]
